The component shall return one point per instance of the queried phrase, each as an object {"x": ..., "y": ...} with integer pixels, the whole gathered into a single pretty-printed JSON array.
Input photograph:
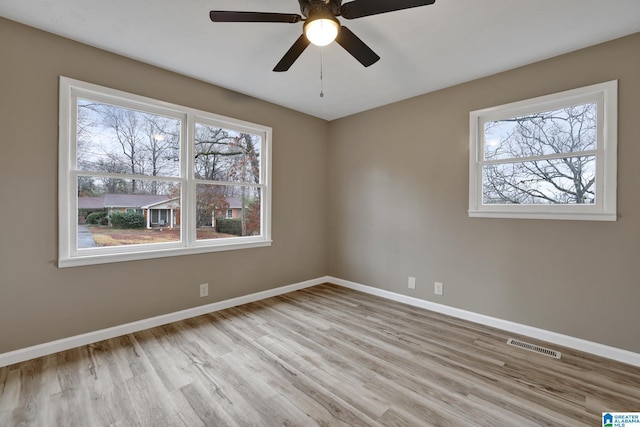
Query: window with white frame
[
  {"x": 141, "y": 178},
  {"x": 550, "y": 157}
]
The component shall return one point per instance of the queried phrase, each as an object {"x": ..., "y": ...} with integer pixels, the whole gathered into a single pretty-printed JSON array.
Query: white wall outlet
[
  {"x": 204, "y": 290},
  {"x": 412, "y": 283},
  {"x": 438, "y": 288}
]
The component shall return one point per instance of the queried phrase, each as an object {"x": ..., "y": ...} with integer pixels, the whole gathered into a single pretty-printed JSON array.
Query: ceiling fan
[{"x": 321, "y": 25}]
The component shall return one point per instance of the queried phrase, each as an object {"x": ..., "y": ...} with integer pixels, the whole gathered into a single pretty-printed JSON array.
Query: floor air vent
[{"x": 535, "y": 348}]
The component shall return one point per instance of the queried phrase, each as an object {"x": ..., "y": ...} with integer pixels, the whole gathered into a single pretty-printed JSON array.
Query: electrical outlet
[
  {"x": 438, "y": 288},
  {"x": 412, "y": 283},
  {"x": 204, "y": 290}
]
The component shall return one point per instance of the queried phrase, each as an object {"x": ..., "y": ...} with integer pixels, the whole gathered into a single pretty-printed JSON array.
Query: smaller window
[
  {"x": 550, "y": 157},
  {"x": 230, "y": 213}
]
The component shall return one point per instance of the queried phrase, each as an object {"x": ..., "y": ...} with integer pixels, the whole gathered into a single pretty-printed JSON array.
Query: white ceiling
[{"x": 422, "y": 49}]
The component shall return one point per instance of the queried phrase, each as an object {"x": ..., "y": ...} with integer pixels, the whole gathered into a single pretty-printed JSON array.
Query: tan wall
[
  {"x": 397, "y": 200},
  {"x": 399, "y": 180},
  {"x": 39, "y": 302}
]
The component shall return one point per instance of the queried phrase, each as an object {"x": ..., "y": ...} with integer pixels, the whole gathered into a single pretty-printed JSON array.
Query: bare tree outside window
[
  {"x": 226, "y": 162},
  {"x": 118, "y": 140},
  {"x": 542, "y": 158}
]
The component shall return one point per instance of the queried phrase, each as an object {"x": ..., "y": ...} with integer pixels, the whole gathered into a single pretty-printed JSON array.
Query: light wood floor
[{"x": 324, "y": 356}]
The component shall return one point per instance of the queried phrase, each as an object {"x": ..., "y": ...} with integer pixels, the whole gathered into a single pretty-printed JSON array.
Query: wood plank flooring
[{"x": 323, "y": 356}]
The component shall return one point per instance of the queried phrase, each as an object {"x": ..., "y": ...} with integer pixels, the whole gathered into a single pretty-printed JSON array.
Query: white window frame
[
  {"x": 604, "y": 209},
  {"x": 69, "y": 255}
]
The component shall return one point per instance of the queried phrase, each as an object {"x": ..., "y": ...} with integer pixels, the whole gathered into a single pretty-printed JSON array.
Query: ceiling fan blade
[
  {"x": 360, "y": 8},
  {"x": 292, "y": 54},
  {"x": 227, "y": 16},
  {"x": 356, "y": 47}
]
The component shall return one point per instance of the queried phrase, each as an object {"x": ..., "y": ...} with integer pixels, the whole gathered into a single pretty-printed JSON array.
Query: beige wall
[
  {"x": 399, "y": 181},
  {"x": 39, "y": 302},
  {"x": 395, "y": 179}
]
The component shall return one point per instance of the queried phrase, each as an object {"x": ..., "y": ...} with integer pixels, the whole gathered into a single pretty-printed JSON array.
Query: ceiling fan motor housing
[{"x": 315, "y": 9}]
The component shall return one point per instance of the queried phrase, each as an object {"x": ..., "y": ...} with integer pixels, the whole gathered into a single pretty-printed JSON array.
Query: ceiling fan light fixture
[
  {"x": 321, "y": 31},
  {"x": 321, "y": 26}
]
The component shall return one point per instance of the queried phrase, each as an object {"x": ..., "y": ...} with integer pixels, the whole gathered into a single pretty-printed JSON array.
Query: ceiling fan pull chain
[{"x": 321, "y": 62}]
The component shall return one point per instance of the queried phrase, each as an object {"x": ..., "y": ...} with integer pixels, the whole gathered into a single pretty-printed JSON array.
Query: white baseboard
[
  {"x": 51, "y": 347},
  {"x": 44, "y": 349},
  {"x": 614, "y": 353}
]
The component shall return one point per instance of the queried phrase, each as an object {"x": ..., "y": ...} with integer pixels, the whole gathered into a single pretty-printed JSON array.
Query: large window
[
  {"x": 140, "y": 178},
  {"x": 549, "y": 157}
]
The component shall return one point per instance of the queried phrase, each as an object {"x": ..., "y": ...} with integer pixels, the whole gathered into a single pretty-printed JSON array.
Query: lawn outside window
[
  {"x": 141, "y": 178},
  {"x": 551, "y": 157}
]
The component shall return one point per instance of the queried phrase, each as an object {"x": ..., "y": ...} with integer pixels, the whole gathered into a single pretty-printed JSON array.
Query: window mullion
[
  {"x": 127, "y": 176},
  {"x": 538, "y": 158},
  {"x": 188, "y": 176}
]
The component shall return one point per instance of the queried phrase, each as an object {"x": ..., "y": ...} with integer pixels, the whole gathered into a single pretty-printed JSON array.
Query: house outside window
[
  {"x": 229, "y": 213},
  {"x": 141, "y": 178},
  {"x": 550, "y": 157}
]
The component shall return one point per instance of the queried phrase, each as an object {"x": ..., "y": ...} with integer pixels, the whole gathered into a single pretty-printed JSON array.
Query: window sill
[
  {"x": 572, "y": 216},
  {"x": 92, "y": 259}
]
